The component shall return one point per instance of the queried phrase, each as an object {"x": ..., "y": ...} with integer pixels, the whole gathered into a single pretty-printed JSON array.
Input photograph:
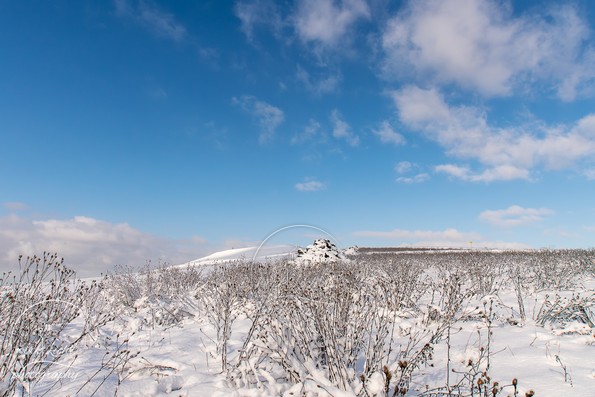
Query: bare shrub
[
  {"x": 35, "y": 308},
  {"x": 223, "y": 295}
]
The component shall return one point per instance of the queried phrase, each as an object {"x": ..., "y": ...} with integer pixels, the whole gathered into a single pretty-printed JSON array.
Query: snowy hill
[
  {"x": 259, "y": 254},
  {"x": 322, "y": 250}
]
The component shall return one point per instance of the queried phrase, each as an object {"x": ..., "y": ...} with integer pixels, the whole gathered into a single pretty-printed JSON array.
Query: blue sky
[{"x": 136, "y": 130}]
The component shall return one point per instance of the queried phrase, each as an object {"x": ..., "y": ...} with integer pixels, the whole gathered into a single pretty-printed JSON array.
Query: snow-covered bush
[
  {"x": 126, "y": 285},
  {"x": 223, "y": 295},
  {"x": 152, "y": 297},
  {"x": 36, "y": 306}
]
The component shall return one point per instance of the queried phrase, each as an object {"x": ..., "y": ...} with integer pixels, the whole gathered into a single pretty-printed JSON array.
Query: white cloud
[
  {"x": 235, "y": 243},
  {"x": 210, "y": 56},
  {"x": 564, "y": 233},
  {"x": 447, "y": 235},
  {"x": 419, "y": 178},
  {"x": 560, "y": 231},
  {"x": 509, "y": 153},
  {"x": 589, "y": 228},
  {"x": 454, "y": 170},
  {"x": 321, "y": 24},
  {"x": 388, "y": 135},
  {"x": 326, "y": 21},
  {"x": 447, "y": 238},
  {"x": 514, "y": 216},
  {"x": 403, "y": 166},
  {"x": 418, "y": 107},
  {"x": 91, "y": 246},
  {"x": 310, "y": 186},
  {"x": 257, "y": 12},
  {"x": 481, "y": 46},
  {"x": 269, "y": 117},
  {"x": 590, "y": 174},
  {"x": 310, "y": 131},
  {"x": 501, "y": 172},
  {"x": 148, "y": 14},
  {"x": 324, "y": 85},
  {"x": 342, "y": 130}
]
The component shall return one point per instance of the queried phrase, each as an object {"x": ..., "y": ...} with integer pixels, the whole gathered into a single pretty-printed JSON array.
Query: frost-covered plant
[
  {"x": 564, "y": 310},
  {"x": 556, "y": 269},
  {"x": 223, "y": 296},
  {"x": 126, "y": 285},
  {"x": 413, "y": 356},
  {"x": 399, "y": 278},
  {"x": 325, "y": 319},
  {"x": 151, "y": 297},
  {"x": 35, "y": 308}
]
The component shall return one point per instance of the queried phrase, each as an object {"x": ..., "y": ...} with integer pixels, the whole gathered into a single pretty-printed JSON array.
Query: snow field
[{"x": 407, "y": 324}]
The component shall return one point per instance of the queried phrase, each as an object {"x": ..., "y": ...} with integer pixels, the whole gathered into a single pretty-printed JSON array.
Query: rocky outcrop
[
  {"x": 322, "y": 251},
  {"x": 353, "y": 250}
]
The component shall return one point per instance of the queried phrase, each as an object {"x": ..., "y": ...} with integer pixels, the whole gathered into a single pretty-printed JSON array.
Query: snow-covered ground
[
  {"x": 175, "y": 345},
  {"x": 272, "y": 252}
]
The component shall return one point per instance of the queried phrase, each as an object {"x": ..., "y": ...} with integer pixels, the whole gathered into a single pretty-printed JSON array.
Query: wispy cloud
[
  {"x": 325, "y": 22},
  {"x": 419, "y": 178},
  {"x": 310, "y": 186},
  {"x": 590, "y": 174},
  {"x": 322, "y": 25},
  {"x": 257, "y": 12},
  {"x": 508, "y": 153},
  {"x": 515, "y": 216},
  {"x": 446, "y": 238},
  {"x": 388, "y": 135},
  {"x": 446, "y": 235},
  {"x": 342, "y": 130},
  {"x": 324, "y": 85},
  {"x": 561, "y": 231},
  {"x": 403, "y": 167},
  {"x": 210, "y": 56},
  {"x": 148, "y": 14},
  {"x": 309, "y": 133},
  {"x": 564, "y": 233},
  {"x": 269, "y": 117},
  {"x": 481, "y": 46},
  {"x": 501, "y": 172}
]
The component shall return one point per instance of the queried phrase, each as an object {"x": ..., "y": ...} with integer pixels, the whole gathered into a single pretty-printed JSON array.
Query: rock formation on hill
[
  {"x": 353, "y": 250},
  {"x": 322, "y": 251}
]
